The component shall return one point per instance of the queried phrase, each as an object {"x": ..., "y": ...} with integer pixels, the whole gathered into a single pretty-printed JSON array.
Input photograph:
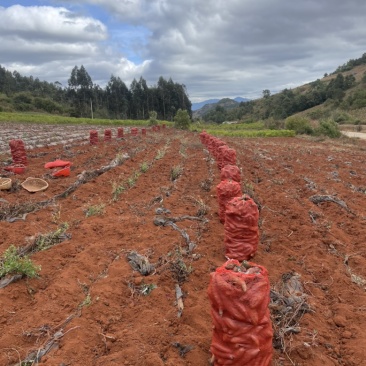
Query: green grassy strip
[
  {"x": 237, "y": 126},
  {"x": 261, "y": 133},
  {"x": 53, "y": 119}
]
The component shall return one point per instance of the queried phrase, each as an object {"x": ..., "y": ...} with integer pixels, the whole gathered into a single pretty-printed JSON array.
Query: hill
[
  {"x": 199, "y": 105},
  {"x": 221, "y": 107},
  {"x": 340, "y": 95}
]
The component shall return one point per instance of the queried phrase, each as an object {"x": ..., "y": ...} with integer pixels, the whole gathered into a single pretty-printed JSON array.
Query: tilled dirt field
[{"x": 89, "y": 307}]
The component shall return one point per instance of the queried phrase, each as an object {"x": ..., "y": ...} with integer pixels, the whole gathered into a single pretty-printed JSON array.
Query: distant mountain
[
  {"x": 240, "y": 99},
  {"x": 225, "y": 103},
  {"x": 196, "y": 106},
  {"x": 199, "y": 105}
]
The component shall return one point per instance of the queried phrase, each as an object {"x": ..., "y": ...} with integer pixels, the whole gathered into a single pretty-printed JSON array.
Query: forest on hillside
[
  {"x": 338, "y": 91},
  {"x": 83, "y": 98}
]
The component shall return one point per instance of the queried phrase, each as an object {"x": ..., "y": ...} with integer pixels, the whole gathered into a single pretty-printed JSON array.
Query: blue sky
[{"x": 217, "y": 48}]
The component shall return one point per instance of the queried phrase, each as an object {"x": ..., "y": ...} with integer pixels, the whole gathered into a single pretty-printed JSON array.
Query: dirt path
[
  {"x": 360, "y": 135},
  {"x": 91, "y": 308}
]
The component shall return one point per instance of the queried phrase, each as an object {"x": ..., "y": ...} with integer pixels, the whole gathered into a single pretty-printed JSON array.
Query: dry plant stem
[
  {"x": 14, "y": 213},
  {"x": 319, "y": 199},
  {"x": 87, "y": 176},
  {"x": 168, "y": 222},
  {"x": 179, "y": 297}
]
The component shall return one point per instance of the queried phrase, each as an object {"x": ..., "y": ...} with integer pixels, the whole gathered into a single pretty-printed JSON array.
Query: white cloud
[
  {"x": 49, "y": 23},
  {"x": 47, "y": 42},
  {"x": 216, "y": 48}
]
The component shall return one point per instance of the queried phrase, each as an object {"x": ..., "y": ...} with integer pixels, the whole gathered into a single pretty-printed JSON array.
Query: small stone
[
  {"x": 340, "y": 321},
  {"x": 347, "y": 334},
  {"x": 138, "y": 280}
]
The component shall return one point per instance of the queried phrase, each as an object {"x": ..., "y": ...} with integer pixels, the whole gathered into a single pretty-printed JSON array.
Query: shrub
[
  {"x": 301, "y": 125},
  {"x": 341, "y": 117},
  {"x": 182, "y": 120},
  {"x": 153, "y": 118},
  {"x": 328, "y": 127},
  {"x": 273, "y": 124},
  {"x": 13, "y": 264}
]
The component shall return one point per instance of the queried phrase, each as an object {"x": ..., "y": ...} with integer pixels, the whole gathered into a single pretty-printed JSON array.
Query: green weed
[
  {"x": 86, "y": 302},
  {"x": 144, "y": 167},
  {"x": 95, "y": 210},
  {"x": 12, "y": 264},
  {"x": 160, "y": 154},
  {"x": 117, "y": 189},
  {"x": 176, "y": 172}
]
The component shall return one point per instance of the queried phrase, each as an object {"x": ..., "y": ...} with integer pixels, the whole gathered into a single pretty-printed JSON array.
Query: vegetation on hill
[
  {"x": 82, "y": 98},
  {"x": 339, "y": 97}
]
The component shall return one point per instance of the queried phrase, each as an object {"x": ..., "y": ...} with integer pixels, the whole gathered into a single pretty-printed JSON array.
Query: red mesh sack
[
  {"x": 229, "y": 157},
  {"x": 119, "y": 132},
  {"x": 203, "y": 135},
  {"x": 242, "y": 329},
  {"x": 241, "y": 228},
  {"x": 230, "y": 172},
  {"x": 93, "y": 137},
  {"x": 18, "y": 153},
  {"x": 220, "y": 156},
  {"x": 107, "y": 135},
  {"x": 143, "y": 131},
  {"x": 226, "y": 190},
  {"x": 134, "y": 131},
  {"x": 217, "y": 150},
  {"x": 212, "y": 145},
  {"x": 209, "y": 143},
  {"x": 57, "y": 163}
]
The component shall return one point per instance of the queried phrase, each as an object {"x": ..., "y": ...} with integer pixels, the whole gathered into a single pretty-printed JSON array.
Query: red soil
[{"x": 89, "y": 279}]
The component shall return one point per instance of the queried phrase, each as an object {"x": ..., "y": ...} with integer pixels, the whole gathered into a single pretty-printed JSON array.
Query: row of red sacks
[
  {"x": 238, "y": 293},
  {"x": 94, "y": 139}
]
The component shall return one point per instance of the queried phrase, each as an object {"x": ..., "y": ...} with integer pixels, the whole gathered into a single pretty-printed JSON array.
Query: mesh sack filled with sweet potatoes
[
  {"x": 93, "y": 137},
  {"x": 203, "y": 136},
  {"x": 242, "y": 331},
  {"x": 229, "y": 157},
  {"x": 241, "y": 228},
  {"x": 217, "y": 150},
  {"x": 220, "y": 160},
  {"x": 18, "y": 154},
  {"x": 226, "y": 190},
  {"x": 230, "y": 172}
]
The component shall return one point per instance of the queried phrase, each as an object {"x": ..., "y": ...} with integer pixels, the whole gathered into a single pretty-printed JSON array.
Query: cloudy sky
[{"x": 217, "y": 48}]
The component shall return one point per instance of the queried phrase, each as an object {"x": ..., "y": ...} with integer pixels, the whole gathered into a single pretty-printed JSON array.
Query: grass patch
[
  {"x": 95, "y": 210},
  {"x": 54, "y": 119},
  {"x": 251, "y": 133}
]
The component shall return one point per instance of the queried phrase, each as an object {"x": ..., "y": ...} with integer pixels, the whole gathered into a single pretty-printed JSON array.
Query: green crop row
[
  {"x": 243, "y": 133},
  {"x": 53, "y": 119},
  {"x": 236, "y": 126}
]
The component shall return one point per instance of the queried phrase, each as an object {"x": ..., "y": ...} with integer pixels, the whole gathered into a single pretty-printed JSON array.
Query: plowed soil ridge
[{"x": 89, "y": 279}]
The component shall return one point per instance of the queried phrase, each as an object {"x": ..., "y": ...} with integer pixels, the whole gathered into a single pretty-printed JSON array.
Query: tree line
[
  {"x": 83, "y": 98},
  {"x": 288, "y": 102}
]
